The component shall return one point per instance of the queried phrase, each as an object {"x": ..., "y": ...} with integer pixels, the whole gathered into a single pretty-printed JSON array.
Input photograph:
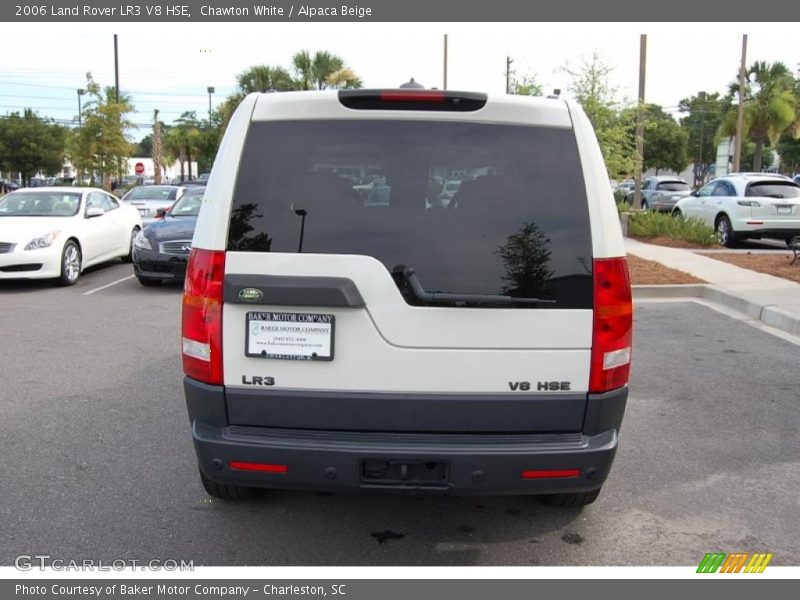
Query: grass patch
[{"x": 650, "y": 224}]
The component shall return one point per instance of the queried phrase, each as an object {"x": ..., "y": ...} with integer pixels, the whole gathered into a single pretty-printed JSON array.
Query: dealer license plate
[{"x": 289, "y": 336}]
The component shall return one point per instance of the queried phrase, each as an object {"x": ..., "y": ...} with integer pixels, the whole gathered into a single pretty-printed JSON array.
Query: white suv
[
  {"x": 482, "y": 346},
  {"x": 747, "y": 205}
]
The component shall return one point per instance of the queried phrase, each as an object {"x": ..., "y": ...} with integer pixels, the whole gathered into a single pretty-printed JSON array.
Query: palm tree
[
  {"x": 313, "y": 73},
  {"x": 263, "y": 78},
  {"x": 770, "y": 108}
]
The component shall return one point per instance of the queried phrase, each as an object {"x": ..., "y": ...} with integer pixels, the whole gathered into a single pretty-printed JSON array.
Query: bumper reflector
[
  {"x": 552, "y": 473},
  {"x": 261, "y": 467}
]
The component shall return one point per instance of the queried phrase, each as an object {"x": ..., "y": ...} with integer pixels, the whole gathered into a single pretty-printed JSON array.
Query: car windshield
[
  {"x": 40, "y": 204},
  {"x": 773, "y": 189},
  {"x": 188, "y": 205},
  {"x": 152, "y": 192},
  {"x": 518, "y": 224},
  {"x": 673, "y": 186}
]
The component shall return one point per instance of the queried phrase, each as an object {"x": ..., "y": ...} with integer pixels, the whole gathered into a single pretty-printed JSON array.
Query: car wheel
[
  {"x": 645, "y": 206},
  {"x": 725, "y": 232},
  {"x": 225, "y": 491},
  {"x": 70, "y": 264},
  {"x": 572, "y": 500},
  {"x": 677, "y": 213},
  {"x": 148, "y": 281},
  {"x": 128, "y": 258},
  {"x": 793, "y": 241}
]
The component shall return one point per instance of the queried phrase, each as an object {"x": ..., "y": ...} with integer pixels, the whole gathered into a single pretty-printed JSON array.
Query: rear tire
[
  {"x": 224, "y": 491},
  {"x": 725, "y": 232},
  {"x": 128, "y": 258},
  {"x": 148, "y": 282},
  {"x": 677, "y": 213},
  {"x": 572, "y": 500}
]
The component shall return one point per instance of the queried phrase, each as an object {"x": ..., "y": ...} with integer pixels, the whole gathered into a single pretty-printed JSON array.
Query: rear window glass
[
  {"x": 673, "y": 186},
  {"x": 774, "y": 189},
  {"x": 152, "y": 192},
  {"x": 474, "y": 208}
]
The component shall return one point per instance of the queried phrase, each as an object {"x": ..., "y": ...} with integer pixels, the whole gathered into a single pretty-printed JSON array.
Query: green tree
[
  {"x": 526, "y": 86},
  {"x": 30, "y": 144},
  {"x": 704, "y": 113},
  {"x": 344, "y": 79},
  {"x": 770, "y": 108},
  {"x": 591, "y": 87},
  {"x": 263, "y": 78},
  {"x": 665, "y": 142},
  {"x": 144, "y": 147},
  {"x": 789, "y": 151},
  {"x": 322, "y": 71},
  {"x": 102, "y": 144}
]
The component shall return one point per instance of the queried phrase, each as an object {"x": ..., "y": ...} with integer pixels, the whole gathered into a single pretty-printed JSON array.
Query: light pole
[
  {"x": 210, "y": 90},
  {"x": 81, "y": 92},
  {"x": 700, "y": 172}
]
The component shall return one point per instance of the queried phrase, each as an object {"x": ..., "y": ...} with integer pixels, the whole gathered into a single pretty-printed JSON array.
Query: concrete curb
[{"x": 773, "y": 316}]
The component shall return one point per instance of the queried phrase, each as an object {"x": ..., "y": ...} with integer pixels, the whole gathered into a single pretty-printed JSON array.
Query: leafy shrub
[{"x": 650, "y": 224}]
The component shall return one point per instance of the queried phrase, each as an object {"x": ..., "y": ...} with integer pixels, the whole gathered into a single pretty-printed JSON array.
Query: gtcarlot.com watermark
[{"x": 42, "y": 562}]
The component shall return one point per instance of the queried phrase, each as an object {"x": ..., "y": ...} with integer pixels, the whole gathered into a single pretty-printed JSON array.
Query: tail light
[
  {"x": 201, "y": 336},
  {"x": 613, "y": 325}
]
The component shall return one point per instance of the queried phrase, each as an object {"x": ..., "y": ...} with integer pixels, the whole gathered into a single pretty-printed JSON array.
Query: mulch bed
[
  {"x": 771, "y": 264},
  {"x": 650, "y": 272}
]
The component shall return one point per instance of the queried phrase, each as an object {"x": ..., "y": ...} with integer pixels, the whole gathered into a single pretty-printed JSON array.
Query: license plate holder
[{"x": 289, "y": 336}]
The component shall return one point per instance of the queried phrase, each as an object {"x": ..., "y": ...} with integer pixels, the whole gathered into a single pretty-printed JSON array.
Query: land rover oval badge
[{"x": 250, "y": 294}]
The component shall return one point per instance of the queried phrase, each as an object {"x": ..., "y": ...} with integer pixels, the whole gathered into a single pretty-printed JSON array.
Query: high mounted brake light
[
  {"x": 412, "y": 99},
  {"x": 201, "y": 335},
  {"x": 612, "y": 337}
]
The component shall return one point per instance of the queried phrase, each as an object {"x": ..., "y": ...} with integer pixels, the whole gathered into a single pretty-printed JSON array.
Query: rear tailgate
[
  {"x": 775, "y": 203},
  {"x": 304, "y": 248}
]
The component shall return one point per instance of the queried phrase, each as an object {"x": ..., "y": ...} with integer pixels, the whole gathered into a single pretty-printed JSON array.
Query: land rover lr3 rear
[{"x": 349, "y": 324}]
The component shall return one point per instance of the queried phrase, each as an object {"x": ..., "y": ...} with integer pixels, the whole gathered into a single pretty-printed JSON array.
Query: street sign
[{"x": 139, "y": 168}]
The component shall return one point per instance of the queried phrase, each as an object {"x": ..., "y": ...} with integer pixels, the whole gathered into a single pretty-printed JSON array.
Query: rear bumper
[
  {"x": 473, "y": 463},
  {"x": 767, "y": 230}
]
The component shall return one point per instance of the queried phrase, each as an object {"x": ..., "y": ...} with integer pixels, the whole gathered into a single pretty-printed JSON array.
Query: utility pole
[
  {"x": 637, "y": 190},
  {"x": 444, "y": 86},
  {"x": 509, "y": 60},
  {"x": 116, "y": 69},
  {"x": 737, "y": 151}
]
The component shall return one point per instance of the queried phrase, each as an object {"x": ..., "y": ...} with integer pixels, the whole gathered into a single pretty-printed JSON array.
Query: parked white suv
[
  {"x": 481, "y": 346},
  {"x": 748, "y": 205}
]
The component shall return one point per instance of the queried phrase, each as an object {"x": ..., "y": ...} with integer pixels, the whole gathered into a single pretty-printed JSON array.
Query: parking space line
[{"x": 108, "y": 285}]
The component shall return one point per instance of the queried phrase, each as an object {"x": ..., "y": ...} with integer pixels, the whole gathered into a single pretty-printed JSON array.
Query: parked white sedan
[
  {"x": 56, "y": 232},
  {"x": 747, "y": 205}
]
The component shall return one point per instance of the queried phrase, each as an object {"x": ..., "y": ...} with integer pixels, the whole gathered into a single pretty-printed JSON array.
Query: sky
[{"x": 168, "y": 66}]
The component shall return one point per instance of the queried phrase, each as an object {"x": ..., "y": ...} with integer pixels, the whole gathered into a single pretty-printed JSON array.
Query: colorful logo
[{"x": 738, "y": 562}]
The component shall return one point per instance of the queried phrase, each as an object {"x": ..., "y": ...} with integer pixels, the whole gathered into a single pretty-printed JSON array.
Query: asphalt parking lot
[{"x": 97, "y": 459}]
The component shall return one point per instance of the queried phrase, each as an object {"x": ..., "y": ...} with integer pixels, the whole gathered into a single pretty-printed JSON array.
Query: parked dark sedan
[{"x": 161, "y": 250}]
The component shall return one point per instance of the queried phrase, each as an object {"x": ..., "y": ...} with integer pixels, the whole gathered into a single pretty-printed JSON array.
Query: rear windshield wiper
[{"x": 418, "y": 291}]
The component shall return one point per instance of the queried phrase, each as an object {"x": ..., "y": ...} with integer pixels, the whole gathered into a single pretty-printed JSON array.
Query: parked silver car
[{"x": 149, "y": 198}]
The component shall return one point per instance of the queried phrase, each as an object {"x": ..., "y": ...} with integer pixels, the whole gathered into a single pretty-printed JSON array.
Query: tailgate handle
[{"x": 287, "y": 290}]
